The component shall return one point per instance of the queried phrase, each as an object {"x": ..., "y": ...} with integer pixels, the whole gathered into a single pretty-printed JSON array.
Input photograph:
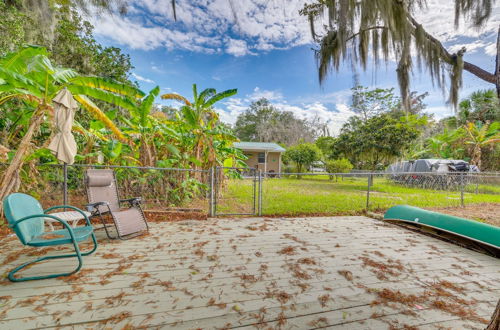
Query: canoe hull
[{"x": 469, "y": 229}]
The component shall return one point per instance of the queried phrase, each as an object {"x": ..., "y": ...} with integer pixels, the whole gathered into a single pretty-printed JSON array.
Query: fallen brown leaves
[
  {"x": 287, "y": 250},
  {"x": 117, "y": 318},
  {"x": 320, "y": 322},
  {"x": 381, "y": 269},
  {"x": 110, "y": 256},
  {"x": 306, "y": 261},
  {"x": 445, "y": 300},
  {"x": 79, "y": 276},
  {"x": 248, "y": 278},
  {"x": 323, "y": 299},
  {"x": 347, "y": 274},
  {"x": 212, "y": 302}
]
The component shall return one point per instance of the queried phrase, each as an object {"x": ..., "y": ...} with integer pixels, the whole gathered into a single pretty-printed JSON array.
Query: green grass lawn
[{"x": 318, "y": 195}]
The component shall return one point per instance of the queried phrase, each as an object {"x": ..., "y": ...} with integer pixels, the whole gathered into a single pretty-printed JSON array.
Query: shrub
[{"x": 342, "y": 165}]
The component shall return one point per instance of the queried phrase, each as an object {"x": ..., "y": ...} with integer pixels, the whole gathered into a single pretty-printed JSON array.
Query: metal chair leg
[{"x": 77, "y": 254}]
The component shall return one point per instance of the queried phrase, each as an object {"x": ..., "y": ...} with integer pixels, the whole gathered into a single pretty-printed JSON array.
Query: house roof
[{"x": 259, "y": 146}]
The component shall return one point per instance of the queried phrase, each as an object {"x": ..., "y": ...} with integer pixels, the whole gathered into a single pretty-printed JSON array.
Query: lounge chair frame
[{"x": 95, "y": 209}]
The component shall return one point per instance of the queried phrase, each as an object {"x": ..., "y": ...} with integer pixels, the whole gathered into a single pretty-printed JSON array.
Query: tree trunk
[
  {"x": 10, "y": 179},
  {"x": 495, "y": 319}
]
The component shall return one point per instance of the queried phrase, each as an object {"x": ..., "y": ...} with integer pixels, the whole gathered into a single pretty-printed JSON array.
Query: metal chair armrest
[
  {"x": 91, "y": 206},
  {"x": 65, "y": 224}
]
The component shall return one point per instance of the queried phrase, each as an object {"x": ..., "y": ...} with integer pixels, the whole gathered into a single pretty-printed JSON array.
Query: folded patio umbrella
[{"x": 63, "y": 145}]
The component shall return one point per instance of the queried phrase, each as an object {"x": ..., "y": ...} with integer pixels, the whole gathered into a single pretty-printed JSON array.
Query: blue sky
[{"x": 265, "y": 51}]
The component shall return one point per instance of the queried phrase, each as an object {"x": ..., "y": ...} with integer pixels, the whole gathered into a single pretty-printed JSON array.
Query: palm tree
[
  {"x": 29, "y": 77},
  {"x": 479, "y": 136},
  {"x": 444, "y": 145},
  {"x": 203, "y": 123}
]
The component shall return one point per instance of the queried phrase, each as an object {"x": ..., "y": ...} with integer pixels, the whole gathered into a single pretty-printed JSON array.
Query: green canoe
[{"x": 473, "y": 230}]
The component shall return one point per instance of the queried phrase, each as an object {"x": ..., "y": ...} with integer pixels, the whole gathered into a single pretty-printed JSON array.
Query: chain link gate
[{"x": 246, "y": 201}]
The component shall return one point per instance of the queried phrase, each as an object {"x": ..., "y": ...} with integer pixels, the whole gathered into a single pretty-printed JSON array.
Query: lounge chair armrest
[
  {"x": 132, "y": 201},
  {"x": 87, "y": 220},
  {"x": 93, "y": 206}
]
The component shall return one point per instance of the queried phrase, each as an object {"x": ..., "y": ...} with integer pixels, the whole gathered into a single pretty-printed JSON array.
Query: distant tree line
[{"x": 263, "y": 122}]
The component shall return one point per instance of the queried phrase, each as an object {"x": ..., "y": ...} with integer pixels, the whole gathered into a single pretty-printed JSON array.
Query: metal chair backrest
[
  {"x": 101, "y": 187},
  {"x": 17, "y": 206}
]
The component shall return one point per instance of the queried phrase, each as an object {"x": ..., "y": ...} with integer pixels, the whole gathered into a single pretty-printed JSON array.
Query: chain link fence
[
  {"x": 160, "y": 188},
  {"x": 228, "y": 191},
  {"x": 358, "y": 192}
]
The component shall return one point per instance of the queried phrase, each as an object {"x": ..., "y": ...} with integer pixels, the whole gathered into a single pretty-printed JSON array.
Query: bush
[
  {"x": 342, "y": 165},
  {"x": 303, "y": 155}
]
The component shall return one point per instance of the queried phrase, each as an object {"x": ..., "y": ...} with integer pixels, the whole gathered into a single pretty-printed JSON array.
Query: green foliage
[
  {"x": 376, "y": 143},
  {"x": 303, "y": 155},
  {"x": 342, "y": 165},
  {"x": 262, "y": 122},
  {"x": 326, "y": 144},
  {"x": 369, "y": 103},
  {"x": 480, "y": 106}
]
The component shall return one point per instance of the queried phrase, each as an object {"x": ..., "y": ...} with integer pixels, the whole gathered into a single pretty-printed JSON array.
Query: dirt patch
[{"x": 485, "y": 212}]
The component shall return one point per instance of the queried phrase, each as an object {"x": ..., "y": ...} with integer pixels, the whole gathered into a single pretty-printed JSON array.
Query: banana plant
[
  {"x": 154, "y": 138},
  {"x": 479, "y": 136},
  {"x": 202, "y": 127},
  {"x": 29, "y": 76}
]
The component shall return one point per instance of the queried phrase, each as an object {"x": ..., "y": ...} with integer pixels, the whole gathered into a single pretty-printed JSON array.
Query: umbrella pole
[{"x": 65, "y": 185}]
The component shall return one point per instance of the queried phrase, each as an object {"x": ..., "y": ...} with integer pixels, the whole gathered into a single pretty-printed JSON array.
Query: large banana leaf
[
  {"x": 105, "y": 96},
  {"x": 94, "y": 109},
  {"x": 16, "y": 80},
  {"x": 16, "y": 61},
  {"x": 189, "y": 116},
  {"x": 63, "y": 76},
  {"x": 220, "y": 96},
  {"x": 147, "y": 103},
  {"x": 40, "y": 63},
  {"x": 108, "y": 85},
  {"x": 195, "y": 93},
  {"x": 209, "y": 92}
]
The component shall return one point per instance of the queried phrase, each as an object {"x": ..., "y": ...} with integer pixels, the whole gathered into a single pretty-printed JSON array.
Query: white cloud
[
  {"x": 141, "y": 78},
  {"x": 241, "y": 27},
  {"x": 332, "y": 109},
  {"x": 237, "y": 47},
  {"x": 270, "y": 95}
]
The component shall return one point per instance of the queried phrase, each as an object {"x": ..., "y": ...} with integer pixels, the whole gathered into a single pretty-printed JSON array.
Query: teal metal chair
[{"x": 26, "y": 216}]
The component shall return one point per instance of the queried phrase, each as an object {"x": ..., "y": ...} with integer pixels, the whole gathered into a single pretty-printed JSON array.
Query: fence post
[
  {"x": 462, "y": 184},
  {"x": 370, "y": 178},
  {"x": 260, "y": 194},
  {"x": 65, "y": 185},
  {"x": 212, "y": 197}
]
